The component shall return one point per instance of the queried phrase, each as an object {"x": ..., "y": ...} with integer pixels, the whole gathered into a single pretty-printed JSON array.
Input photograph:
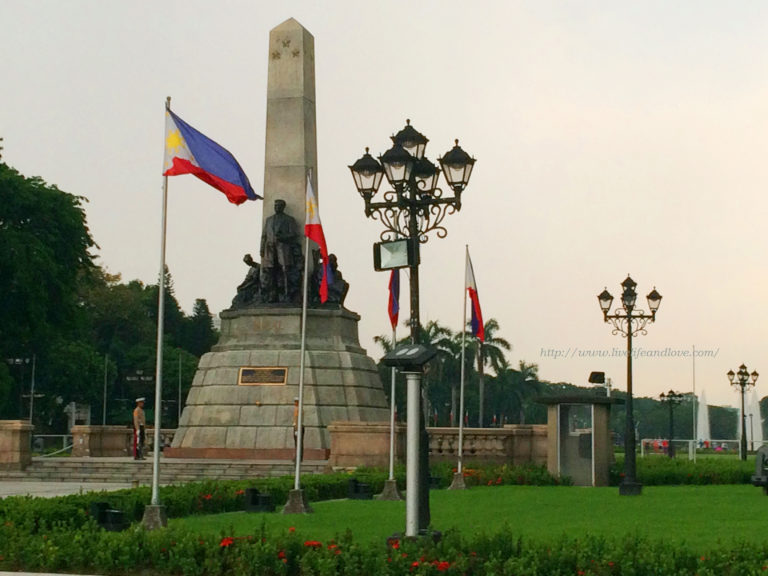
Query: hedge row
[
  {"x": 173, "y": 551},
  {"x": 662, "y": 471},
  {"x": 37, "y": 515}
]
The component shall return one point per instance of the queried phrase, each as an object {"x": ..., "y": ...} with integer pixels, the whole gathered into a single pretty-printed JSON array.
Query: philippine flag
[
  {"x": 478, "y": 328},
  {"x": 394, "y": 297},
  {"x": 187, "y": 151},
  {"x": 313, "y": 229}
]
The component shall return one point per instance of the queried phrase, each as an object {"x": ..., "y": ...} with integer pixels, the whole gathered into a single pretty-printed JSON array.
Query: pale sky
[{"x": 610, "y": 137}]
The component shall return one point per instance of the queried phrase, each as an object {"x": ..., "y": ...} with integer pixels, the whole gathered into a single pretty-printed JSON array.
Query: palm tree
[
  {"x": 488, "y": 353},
  {"x": 441, "y": 338},
  {"x": 519, "y": 386}
]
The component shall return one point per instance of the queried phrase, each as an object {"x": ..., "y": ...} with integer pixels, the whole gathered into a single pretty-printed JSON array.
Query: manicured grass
[{"x": 699, "y": 516}]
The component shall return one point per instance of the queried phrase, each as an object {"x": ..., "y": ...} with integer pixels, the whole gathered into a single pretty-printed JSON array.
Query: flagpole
[
  {"x": 463, "y": 347},
  {"x": 300, "y": 417},
  {"x": 695, "y": 440},
  {"x": 160, "y": 326}
]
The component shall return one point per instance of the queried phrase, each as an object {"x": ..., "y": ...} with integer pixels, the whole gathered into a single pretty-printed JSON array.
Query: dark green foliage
[{"x": 659, "y": 470}]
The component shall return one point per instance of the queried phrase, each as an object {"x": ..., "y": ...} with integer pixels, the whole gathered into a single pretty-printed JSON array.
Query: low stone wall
[
  {"x": 15, "y": 444},
  {"x": 101, "y": 441},
  {"x": 367, "y": 444},
  {"x": 364, "y": 444}
]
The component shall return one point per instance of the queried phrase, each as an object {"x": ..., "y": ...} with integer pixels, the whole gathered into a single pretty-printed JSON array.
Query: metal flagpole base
[
  {"x": 297, "y": 503},
  {"x": 390, "y": 491},
  {"x": 154, "y": 517},
  {"x": 630, "y": 488},
  {"x": 458, "y": 482}
]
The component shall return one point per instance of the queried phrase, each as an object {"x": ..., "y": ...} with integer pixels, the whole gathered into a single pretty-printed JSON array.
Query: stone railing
[
  {"x": 367, "y": 444},
  {"x": 101, "y": 441},
  {"x": 513, "y": 444}
]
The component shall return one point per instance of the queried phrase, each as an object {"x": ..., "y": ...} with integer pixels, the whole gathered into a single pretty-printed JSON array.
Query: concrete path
[{"x": 50, "y": 489}]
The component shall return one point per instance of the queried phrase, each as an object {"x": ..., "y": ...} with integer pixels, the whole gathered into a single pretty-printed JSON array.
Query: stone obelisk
[
  {"x": 241, "y": 404},
  {"x": 291, "y": 142}
]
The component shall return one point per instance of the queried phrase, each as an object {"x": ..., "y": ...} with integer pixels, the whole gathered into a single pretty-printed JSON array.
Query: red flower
[
  {"x": 415, "y": 564},
  {"x": 332, "y": 546},
  {"x": 227, "y": 542},
  {"x": 498, "y": 480},
  {"x": 281, "y": 554},
  {"x": 291, "y": 529},
  {"x": 313, "y": 544},
  {"x": 443, "y": 566},
  {"x": 207, "y": 496},
  {"x": 239, "y": 492}
]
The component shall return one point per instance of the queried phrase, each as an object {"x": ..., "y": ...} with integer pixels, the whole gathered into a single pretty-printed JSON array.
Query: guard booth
[{"x": 579, "y": 438}]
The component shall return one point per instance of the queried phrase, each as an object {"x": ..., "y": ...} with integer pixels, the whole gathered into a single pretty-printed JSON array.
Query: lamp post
[
  {"x": 413, "y": 209},
  {"x": 742, "y": 379},
  {"x": 629, "y": 321},
  {"x": 672, "y": 399}
]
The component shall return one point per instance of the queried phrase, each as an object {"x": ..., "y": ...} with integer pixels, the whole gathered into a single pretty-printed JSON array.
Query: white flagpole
[
  {"x": 160, "y": 324},
  {"x": 300, "y": 417},
  {"x": 392, "y": 414},
  {"x": 461, "y": 389},
  {"x": 695, "y": 440}
]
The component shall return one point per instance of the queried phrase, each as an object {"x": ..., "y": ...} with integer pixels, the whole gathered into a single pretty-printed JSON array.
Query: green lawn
[{"x": 700, "y": 516}]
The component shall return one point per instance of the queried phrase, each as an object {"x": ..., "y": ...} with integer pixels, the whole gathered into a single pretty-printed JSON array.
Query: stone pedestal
[
  {"x": 155, "y": 517},
  {"x": 230, "y": 413},
  {"x": 297, "y": 503},
  {"x": 15, "y": 444},
  {"x": 390, "y": 492}
]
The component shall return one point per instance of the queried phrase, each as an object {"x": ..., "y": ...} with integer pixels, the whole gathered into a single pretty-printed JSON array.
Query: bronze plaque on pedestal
[{"x": 267, "y": 376}]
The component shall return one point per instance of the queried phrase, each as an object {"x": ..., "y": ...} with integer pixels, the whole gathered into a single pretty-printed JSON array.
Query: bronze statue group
[{"x": 277, "y": 280}]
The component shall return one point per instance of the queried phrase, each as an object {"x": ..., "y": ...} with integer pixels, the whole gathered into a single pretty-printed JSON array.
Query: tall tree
[
  {"x": 45, "y": 258},
  {"x": 199, "y": 333}
]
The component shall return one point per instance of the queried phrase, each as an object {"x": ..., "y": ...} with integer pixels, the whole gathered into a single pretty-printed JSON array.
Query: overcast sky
[{"x": 610, "y": 137}]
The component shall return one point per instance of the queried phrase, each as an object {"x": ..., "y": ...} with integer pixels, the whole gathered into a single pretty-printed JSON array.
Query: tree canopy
[{"x": 80, "y": 327}]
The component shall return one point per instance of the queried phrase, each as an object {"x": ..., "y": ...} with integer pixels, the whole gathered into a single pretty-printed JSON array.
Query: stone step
[{"x": 171, "y": 470}]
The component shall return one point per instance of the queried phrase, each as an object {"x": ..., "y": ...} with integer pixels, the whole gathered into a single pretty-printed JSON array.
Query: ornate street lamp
[
  {"x": 629, "y": 321},
  {"x": 672, "y": 399},
  {"x": 411, "y": 210},
  {"x": 742, "y": 379}
]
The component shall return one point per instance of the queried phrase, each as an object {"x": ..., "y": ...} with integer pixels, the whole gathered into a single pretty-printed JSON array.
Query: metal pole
[
  {"x": 461, "y": 387},
  {"x": 695, "y": 411},
  {"x": 160, "y": 328},
  {"x": 629, "y": 485},
  {"x": 178, "y": 417},
  {"x": 299, "y": 419},
  {"x": 32, "y": 389},
  {"x": 743, "y": 443},
  {"x": 392, "y": 409},
  {"x": 413, "y": 380},
  {"x": 104, "y": 404},
  {"x": 671, "y": 448}
]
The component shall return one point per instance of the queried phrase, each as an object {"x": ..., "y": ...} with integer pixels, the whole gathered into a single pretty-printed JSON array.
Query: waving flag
[
  {"x": 187, "y": 151},
  {"x": 313, "y": 230},
  {"x": 394, "y": 297},
  {"x": 478, "y": 329}
]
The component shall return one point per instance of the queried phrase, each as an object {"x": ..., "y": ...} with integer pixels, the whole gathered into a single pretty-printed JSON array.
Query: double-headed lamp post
[
  {"x": 742, "y": 379},
  {"x": 414, "y": 207},
  {"x": 629, "y": 321},
  {"x": 672, "y": 399}
]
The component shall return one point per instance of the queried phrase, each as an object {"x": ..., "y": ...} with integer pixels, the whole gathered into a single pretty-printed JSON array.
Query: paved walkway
[{"x": 50, "y": 489}]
